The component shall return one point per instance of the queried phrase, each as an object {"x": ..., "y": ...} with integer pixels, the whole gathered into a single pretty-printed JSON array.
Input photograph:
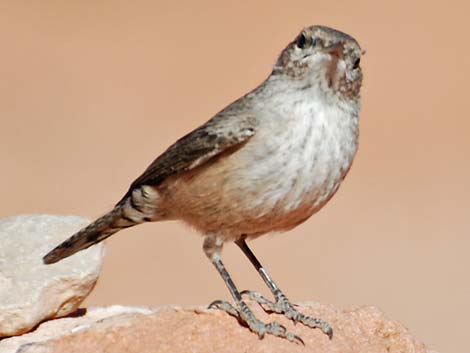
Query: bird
[{"x": 264, "y": 164}]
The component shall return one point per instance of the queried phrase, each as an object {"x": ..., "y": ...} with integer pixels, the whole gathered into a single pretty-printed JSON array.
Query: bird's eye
[
  {"x": 356, "y": 63},
  {"x": 304, "y": 41}
]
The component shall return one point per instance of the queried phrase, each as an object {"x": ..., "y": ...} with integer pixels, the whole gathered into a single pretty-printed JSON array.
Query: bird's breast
[
  {"x": 299, "y": 166},
  {"x": 286, "y": 172}
]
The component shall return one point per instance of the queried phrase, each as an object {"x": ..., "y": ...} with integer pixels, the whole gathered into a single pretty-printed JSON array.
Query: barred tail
[{"x": 97, "y": 231}]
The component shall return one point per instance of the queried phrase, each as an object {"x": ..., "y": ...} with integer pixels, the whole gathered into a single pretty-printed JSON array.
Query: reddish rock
[{"x": 123, "y": 329}]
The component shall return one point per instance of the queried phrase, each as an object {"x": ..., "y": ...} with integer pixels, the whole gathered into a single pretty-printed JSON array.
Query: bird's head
[{"x": 324, "y": 57}]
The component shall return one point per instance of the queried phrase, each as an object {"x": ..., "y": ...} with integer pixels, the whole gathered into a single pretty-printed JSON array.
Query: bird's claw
[
  {"x": 224, "y": 306},
  {"x": 283, "y": 306},
  {"x": 246, "y": 317}
]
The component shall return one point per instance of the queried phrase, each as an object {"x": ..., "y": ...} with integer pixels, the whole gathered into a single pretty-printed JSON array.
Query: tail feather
[{"x": 97, "y": 231}]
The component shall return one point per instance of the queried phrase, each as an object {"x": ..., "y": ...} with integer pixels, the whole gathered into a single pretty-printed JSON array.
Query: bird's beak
[{"x": 336, "y": 49}]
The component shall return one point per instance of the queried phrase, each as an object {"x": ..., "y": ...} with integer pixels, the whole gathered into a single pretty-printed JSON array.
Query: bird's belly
[
  {"x": 272, "y": 183},
  {"x": 287, "y": 187}
]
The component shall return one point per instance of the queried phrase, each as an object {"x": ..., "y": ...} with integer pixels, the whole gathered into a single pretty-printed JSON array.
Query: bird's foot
[
  {"x": 246, "y": 317},
  {"x": 283, "y": 306}
]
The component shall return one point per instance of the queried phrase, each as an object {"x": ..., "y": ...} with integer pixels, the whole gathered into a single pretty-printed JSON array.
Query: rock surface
[
  {"x": 120, "y": 329},
  {"x": 30, "y": 291}
]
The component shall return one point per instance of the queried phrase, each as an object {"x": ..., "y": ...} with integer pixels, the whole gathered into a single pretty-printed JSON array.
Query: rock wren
[{"x": 265, "y": 163}]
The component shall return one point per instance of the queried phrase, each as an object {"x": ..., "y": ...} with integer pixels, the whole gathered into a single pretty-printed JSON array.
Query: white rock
[{"x": 30, "y": 291}]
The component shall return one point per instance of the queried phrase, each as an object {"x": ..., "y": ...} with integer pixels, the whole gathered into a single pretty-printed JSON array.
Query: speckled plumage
[{"x": 265, "y": 163}]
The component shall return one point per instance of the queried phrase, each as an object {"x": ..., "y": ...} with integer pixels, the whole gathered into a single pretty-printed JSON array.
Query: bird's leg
[
  {"x": 282, "y": 304},
  {"x": 212, "y": 248}
]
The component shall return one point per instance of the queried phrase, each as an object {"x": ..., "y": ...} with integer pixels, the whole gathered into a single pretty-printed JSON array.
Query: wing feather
[{"x": 194, "y": 149}]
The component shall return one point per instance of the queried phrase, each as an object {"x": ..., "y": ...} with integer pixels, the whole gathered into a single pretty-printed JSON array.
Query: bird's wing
[{"x": 224, "y": 131}]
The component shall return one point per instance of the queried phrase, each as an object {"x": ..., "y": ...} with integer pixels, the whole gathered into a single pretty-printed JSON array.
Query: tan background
[{"x": 92, "y": 91}]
